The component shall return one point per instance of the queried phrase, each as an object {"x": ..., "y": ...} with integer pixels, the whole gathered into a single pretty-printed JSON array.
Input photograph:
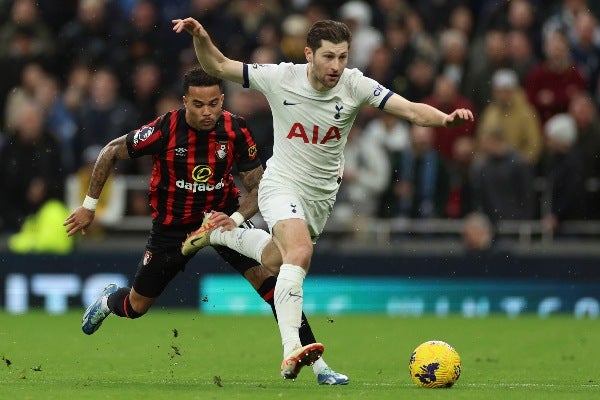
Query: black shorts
[{"x": 162, "y": 259}]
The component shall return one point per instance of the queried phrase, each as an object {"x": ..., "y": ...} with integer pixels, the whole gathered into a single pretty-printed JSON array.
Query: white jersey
[{"x": 310, "y": 127}]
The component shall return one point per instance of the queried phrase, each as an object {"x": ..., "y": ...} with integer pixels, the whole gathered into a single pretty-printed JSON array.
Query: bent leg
[{"x": 128, "y": 303}]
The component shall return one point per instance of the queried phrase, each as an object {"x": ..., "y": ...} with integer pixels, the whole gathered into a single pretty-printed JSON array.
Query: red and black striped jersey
[{"x": 191, "y": 172}]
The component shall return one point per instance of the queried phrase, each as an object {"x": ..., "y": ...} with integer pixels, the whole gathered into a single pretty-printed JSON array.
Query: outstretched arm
[
  {"x": 83, "y": 216},
  {"x": 424, "y": 114},
  {"x": 210, "y": 57}
]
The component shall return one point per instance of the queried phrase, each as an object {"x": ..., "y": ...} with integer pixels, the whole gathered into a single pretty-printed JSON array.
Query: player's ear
[
  {"x": 184, "y": 100},
  {"x": 308, "y": 54}
]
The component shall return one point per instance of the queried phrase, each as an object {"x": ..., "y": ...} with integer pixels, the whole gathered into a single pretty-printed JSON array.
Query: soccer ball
[{"x": 434, "y": 364}]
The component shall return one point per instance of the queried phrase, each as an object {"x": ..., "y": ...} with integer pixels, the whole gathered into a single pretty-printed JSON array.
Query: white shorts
[{"x": 277, "y": 203}]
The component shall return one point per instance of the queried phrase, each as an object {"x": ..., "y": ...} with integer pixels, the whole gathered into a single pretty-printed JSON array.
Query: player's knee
[{"x": 301, "y": 254}]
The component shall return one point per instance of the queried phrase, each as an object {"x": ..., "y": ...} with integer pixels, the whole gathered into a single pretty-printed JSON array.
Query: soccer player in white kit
[{"x": 314, "y": 106}]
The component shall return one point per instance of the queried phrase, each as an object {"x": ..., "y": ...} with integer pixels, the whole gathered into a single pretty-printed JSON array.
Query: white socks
[
  {"x": 288, "y": 305},
  {"x": 249, "y": 242}
]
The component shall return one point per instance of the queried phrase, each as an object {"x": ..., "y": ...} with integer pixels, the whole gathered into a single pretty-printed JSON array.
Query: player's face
[
  {"x": 327, "y": 64},
  {"x": 203, "y": 106}
]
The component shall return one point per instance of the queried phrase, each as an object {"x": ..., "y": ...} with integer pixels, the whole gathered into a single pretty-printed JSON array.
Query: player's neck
[{"x": 313, "y": 81}]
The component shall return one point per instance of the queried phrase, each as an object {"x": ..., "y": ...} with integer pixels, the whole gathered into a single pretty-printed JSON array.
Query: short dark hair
[
  {"x": 333, "y": 31},
  {"x": 197, "y": 77}
]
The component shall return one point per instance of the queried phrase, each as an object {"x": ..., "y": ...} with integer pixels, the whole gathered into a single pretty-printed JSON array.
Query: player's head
[
  {"x": 202, "y": 98},
  {"x": 327, "y": 45}
]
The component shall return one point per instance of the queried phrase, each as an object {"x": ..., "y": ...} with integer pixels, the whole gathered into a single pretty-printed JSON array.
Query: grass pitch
[{"x": 187, "y": 355}]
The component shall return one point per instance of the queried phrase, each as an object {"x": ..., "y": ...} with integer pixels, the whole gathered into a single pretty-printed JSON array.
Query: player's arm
[
  {"x": 249, "y": 202},
  {"x": 424, "y": 114},
  {"x": 210, "y": 57},
  {"x": 83, "y": 216}
]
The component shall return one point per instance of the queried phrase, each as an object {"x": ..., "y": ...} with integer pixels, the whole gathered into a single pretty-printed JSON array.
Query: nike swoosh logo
[
  {"x": 293, "y": 294},
  {"x": 193, "y": 242},
  {"x": 287, "y": 103}
]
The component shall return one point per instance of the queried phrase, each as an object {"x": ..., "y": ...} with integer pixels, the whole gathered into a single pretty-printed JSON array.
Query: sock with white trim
[{"x": 288, "y": 304}]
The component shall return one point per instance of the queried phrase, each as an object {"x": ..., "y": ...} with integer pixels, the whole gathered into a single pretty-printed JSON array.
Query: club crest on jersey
[
  {"x": 142, "y": 134},
  {"x": 222, "y": 149},
  {"x": 338, "y": 108},
  {"x": 147, "y": 257}
]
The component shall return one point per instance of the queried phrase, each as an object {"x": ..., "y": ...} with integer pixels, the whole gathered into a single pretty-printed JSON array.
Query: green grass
[{"x": 502, "y": 358}]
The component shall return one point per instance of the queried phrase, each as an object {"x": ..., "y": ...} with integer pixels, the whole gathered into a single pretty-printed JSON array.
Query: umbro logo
[{"x": 287, "y": 103}]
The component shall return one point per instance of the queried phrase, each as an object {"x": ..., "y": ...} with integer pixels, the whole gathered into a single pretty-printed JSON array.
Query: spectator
[
  {"x": 293, "y": 40},
  {"x": 485, "y": 59},
  {"x": 357, "y": 15},
  {"x": 552, "y": 83},
  {"x": 501, "y": 180},
  {"x": 446, "y": 97},
  {"x": 564, "y": 19},
  {"x": 59, "y": 121},
  {"x": 564, "y": 196},
  {"x": 584, "y": 113},
  {"x": 145, "y": 88},
  {"x": 477, "y": 232},
  {"x": 104, "y": 115},
  {"x": 585, "y": 50},
  {"x": 95, "y": 36},
  {"x": 30, "y": 168},
  {"x": 454, "y": 49},
  {"x": 77, "y": 87},
  {"x": 398, "y": 43},
  {"x": 32, "y": 76},
  {"x": 366, "y": 174},
  {"x": 459, "y": 197},
  {"x": 25, "y": 16},
  {"x": 461, "y": 19},
  {"x": 421, "y": 188},
  {"x": 511, "y": 110},
  {"x": 521, "y": 54},
  {"x": 421, "y": 78}
]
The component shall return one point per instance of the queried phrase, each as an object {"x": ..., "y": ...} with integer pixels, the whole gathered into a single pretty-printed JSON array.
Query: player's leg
[
  {"x": 156, "y": 269},
  {"x": 264, "y": 283}
]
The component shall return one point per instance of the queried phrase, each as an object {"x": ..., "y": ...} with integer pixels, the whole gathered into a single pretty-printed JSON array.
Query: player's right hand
[{"x": 79, "y": 220}]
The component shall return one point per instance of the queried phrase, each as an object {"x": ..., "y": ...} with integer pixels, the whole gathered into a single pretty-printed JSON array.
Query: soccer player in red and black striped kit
[{"x": 193, "y": 151}]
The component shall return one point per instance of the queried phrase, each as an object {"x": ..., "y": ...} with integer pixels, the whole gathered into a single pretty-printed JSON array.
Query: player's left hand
[
  {"x": 221, "y": 219},
  {"x": 458, "y": 117}
]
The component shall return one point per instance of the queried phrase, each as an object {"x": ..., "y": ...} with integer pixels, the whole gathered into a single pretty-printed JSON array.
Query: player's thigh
[
  {"x": 158, "y": 267},
  {"x": 278, "y": 203}
]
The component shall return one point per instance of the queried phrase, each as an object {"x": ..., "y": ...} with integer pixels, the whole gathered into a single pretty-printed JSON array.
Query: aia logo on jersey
[
  {"x": 147, "y": 257},
  {"x": 143, "y": 136},
  {"x": 222, "y": 149},
  {"x": 315, "y": 137}
]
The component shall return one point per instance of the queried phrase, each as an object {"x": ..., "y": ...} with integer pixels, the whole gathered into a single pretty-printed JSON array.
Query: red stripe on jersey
[
  {"x": 170, "y": 166},
  {"x": 231, "y": 135},
  {"x": 189, "y": 198},
  {"x": 212, "y": 164}
]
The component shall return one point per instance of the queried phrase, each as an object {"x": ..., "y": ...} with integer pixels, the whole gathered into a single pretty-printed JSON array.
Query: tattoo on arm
[
  {"x": 105, "y": 164},
  {"x": 249, "y": 202},
  {"x": 251, "y": 178}
]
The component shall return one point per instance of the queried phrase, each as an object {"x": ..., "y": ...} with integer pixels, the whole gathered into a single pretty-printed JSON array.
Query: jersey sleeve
[
  {"x": 263, "y": 77},
  {"x": 371, "y": 91},
  {"x": 149, "y": 138},
  {"x": 246, "y": 155}
]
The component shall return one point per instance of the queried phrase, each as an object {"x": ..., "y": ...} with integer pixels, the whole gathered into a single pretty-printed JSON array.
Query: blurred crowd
[{"x": 76, "y": 74}]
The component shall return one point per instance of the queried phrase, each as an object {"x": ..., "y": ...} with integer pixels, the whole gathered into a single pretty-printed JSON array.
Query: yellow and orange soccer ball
[{"x": 434, "y": 364}]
